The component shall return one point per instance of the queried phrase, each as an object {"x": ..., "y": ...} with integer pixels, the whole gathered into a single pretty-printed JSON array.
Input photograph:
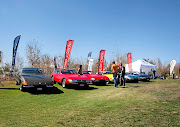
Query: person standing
[
  {"x": 151, "y": 73},
  {"x": 154, "y": 74},
  {"x": 80, "y": 70},
  {"x": 114, "y": 70},
  {"x": 173, "y": 74},
  {"x": 122, "y": 75}
]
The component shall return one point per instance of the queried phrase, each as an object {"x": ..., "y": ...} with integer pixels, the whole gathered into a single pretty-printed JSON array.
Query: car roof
[{"x": 28, "y": 68}]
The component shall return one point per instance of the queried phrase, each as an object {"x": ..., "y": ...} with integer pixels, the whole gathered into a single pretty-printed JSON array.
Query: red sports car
[
  {"x": 69, "y": 77},
  {"x": 96, "y": 78}
]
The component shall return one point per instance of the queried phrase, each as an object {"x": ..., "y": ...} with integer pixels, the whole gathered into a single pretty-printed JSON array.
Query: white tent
[{"x": 141, "y": 66}]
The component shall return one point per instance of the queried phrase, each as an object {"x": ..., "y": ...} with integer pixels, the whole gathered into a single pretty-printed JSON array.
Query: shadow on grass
[
  {"x": 9, "y": 88},
  {"x": 135, "y": 86},
  {"x": 101, "y": 85},
  {"x": 82, "y": 88},
  {"x": 53, "y": 90},
  {"x": 123, "y": 87},
  {"x": 131, "y": 82},
  {"x": 148, "y": 81}
]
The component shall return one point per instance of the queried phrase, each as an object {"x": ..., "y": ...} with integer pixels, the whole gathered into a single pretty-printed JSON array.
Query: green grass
[{"x": 155, "y": 103}]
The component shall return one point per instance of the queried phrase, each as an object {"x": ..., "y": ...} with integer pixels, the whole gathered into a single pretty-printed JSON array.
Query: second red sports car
[
  {"x": 69, "y": 77},
  {"x": 96, "y": 78}
]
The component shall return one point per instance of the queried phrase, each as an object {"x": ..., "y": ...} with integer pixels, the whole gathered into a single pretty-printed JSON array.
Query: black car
[
  {"x": 144, "y": 77},
  {"x": 33, "y": 78}
]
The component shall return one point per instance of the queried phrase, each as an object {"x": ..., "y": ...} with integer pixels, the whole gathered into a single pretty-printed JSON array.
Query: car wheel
[
  {"x": 16, "y": 82},
  {"x": 53, "y": 80},
  {"x": 21, "y": 87},
  {"x": 64, "y": 85},
  {"x": 107, "y": 82},
  {"x": 104, "y": 83}
]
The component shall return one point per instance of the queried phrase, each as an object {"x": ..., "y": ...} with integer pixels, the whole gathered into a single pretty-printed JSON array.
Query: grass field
[{"x": 155, "y": 103}]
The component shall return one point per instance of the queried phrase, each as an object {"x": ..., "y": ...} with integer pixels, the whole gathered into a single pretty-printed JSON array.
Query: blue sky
[{"x": 147, "y": 28}]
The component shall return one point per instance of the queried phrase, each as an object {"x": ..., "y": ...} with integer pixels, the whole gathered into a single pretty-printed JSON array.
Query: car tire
[
  {"x": 86, "y": 86},
  {"x": 21, "y": 87},
  {"x": 53, "y": 80},
  {"x": 64, "y": 85},
  {"x": 104, "y": 83},
  {"x": 16, "y": 82}
]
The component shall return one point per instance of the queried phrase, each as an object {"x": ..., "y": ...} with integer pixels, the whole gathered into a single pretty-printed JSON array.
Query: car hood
[
  {"x": 37, "y": 79},
  {"x": 78, "y": 77}
]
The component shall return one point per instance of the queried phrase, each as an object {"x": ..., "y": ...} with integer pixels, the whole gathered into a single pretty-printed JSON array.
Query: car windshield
[
  {"x": 68, "y": 72},
  {"x": 32, "y": 71},
  {"x": 89, "y": 72},
  {"x": 107, "y": 72},
  {"x": 128, "y": 73},
  {"x": 143, "y": 75}
]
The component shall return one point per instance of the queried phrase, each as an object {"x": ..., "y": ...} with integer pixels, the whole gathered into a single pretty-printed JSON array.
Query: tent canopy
[{"x": 141, "y": 66}]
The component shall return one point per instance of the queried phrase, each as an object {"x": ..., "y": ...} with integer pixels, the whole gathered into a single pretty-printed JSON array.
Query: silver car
[{"x": 129, "y": 77}]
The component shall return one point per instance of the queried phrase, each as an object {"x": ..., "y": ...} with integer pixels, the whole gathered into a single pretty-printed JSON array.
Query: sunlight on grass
[{"x": 154, "y": 103}]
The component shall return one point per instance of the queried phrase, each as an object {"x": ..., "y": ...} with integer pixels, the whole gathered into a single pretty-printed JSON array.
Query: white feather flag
[{"x": 172, "y": 65}]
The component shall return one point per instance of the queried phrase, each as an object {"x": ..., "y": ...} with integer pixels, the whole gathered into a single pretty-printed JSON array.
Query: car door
[
  {"x": 58, "y": 76},
  {"x": 55, "y": 75},
  {"x": 62, "y": 75}
]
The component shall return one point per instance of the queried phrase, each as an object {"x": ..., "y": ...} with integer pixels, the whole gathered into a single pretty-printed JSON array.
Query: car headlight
[
  {"x": 70, "y": 80},
  {"x": 24, "y": 83},
  {"x": 92, "y": 79}
]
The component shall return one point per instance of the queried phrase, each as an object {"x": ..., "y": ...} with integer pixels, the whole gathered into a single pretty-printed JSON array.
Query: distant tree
[
  {"x": 46, "y": 63},
  {"x": 159, "y": 66},
  {"x": 19, "y": 63},
  {"x": 75, "y": 62},
  {"x": 59, "y": 61},
  {"x": 120, "y": 58},
  {"x": 0, "y": 56},
  {"x": 165, "y": 71},
  {"x": 7, "y": 67},
  {"x": 95, "y": 65},
  {"x": 33, "y": 54}
]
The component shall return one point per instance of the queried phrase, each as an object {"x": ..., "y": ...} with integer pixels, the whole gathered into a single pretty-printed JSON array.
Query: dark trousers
[{"x": 122, "y": 80}]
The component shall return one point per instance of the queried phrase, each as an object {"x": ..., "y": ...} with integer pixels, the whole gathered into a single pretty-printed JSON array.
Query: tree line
[{"x": 46, "y": 62}]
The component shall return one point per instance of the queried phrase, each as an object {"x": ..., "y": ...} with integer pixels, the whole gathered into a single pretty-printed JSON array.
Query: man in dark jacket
[{"x": 122, "y": 75}]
